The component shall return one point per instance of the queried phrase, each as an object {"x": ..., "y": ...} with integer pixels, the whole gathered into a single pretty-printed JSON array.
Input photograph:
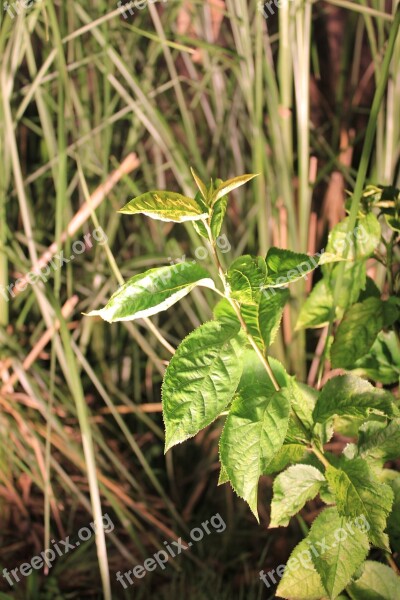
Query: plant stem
[
  {"x": 236, "y": 308},
  {"x": 320, "y": 456}
]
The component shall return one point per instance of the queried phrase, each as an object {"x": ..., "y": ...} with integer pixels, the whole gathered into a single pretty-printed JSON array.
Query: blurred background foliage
[{"x": 211, "y": 84}]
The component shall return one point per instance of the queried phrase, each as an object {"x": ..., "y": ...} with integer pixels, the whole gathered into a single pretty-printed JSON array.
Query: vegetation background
[{"x": 96, "y": 108}]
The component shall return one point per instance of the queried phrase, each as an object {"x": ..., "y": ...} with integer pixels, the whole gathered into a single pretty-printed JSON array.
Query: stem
[
  {"x": 391, "y": 563},
  {"x": 236, "y": 308},
  {"x": 320, "y": 456}
]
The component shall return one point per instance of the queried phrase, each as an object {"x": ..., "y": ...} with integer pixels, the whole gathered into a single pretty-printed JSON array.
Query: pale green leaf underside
[
  {"x": 254, "y": 432},
  {"x": 382, "y": 444},
  {"x": 292, "y": 489},
  {"x": 201, "y": 379},
  {"x": 151, "y": 292},
  {"x": 377, "y": 582},
  {"x": 348, "y": 395},
  {"x": 359, "y": 493},
  {"x": 166, "y": 206}
]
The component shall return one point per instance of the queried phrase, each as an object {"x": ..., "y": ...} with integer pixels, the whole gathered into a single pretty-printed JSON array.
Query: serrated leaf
[
  {"x": 300, "y": 579},
  {"x": 316, "y": 310},
  {"x": 246, "y": 276},
  {"x": 151, "y": 292},
  {"x": 254, "y": 432},
  {"x": 382, "y": 363},
  {"x": 357, "y": 244},
  {"x": 348, "y": 395},
  {"x": 263, "y": 320},
  {"x": 359, "y": 493},
  {"x": 392, "y": 478},
  {"x": 357, "y": 332},
  {"x": 231, "y": 184},
  {"x": 287, "y": 455},
  {"x": 346, "y": 548},
  {"x": 166, "y": 206},
  {"x": 381, "y": 443},
  {"x": 201, "y": 380},
  {"x": 377, "y": 582},
  {"x": 291, "y": 490},
  {"x": 285, "y": 266}
]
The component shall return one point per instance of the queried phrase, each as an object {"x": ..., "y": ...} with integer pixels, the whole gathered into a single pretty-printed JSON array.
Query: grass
[{"x": 208, "y": 84}]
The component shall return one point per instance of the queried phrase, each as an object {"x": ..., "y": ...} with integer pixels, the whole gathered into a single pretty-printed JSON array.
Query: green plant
[{"x": 274, "y": 423}]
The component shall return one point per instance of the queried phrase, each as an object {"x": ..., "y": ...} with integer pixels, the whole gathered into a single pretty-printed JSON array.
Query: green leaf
[
  {"x": 287, "y": 455},
  {"x": 377, "y": 582},
  {"x": 200, "y": 184},
  {"x": 358, "y": 493},
  {"x": 246, "y": 276},
  {"x": 218, "y": 215},
  {"x": 263, "y": 320},
  {"x": 292, "y": 489},
  {"x": 231, "y": 184},
  {"x": 201, "y": 379},
  {"x": 316, "y": 310},
  {"x": 357, "y": 244},
  {"x": 223, "y": 476},
  {"x": 354, "y": 280},
  {"x": 285, "y": 266},
  {"x": 392, "y": 478},
  {"x": 348, "y": 395},
  {"x": 300, "y": 579},
  {"x": 346, "y": 548},
  {"x": 357, "y": 332},
  {"x": 253, "y": 433},
  {"x": 382, "y": 443},
  {"x": 383, "y": 361},
  {"x": 166, "y": 206},
  {"x": 155, "y": 290}
]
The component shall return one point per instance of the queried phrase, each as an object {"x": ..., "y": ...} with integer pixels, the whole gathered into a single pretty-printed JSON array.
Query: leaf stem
[
  {"x": 236, "y": 308},
  {"x": 320, "y": 456}
]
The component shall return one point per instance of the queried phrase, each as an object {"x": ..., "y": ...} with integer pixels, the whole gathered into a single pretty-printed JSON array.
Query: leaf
[
  {"x": 201, "y": 380},
  {"x": 382, "y": 363},
  {"x": 300, "y": 579},
  {"x": 316, "y": 310},
  {"x": 358, "y": 493},
  {"x": 263, "y": 320},
  {"x": 285, "y": 266},
  {"x": 288, "y": 454},
  {"x": 357, "y": 332},
  {"x": 246, "y": 276},
  {"x": 231, "y": 184},
  {"x": 155, "y": 290},
  {"x": 377, "y": 582},
  {"x": 223, "y": 476},
  {"x": 357, "y": 244},
  {"x": 253, "y": 433},
  {"x": 348, "y": 395},
  {"x": 346, "y": 548},
  {"x": 218, "y": 215},
  {"x": 353, "y": 281},
  {"x": 291, "y": 490},
  {"x": 166, "y": 206},
  {"x": 200, "y": 184},
  {"x": 382, "y": 443},
  {"x": 392, "y": 478}
]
